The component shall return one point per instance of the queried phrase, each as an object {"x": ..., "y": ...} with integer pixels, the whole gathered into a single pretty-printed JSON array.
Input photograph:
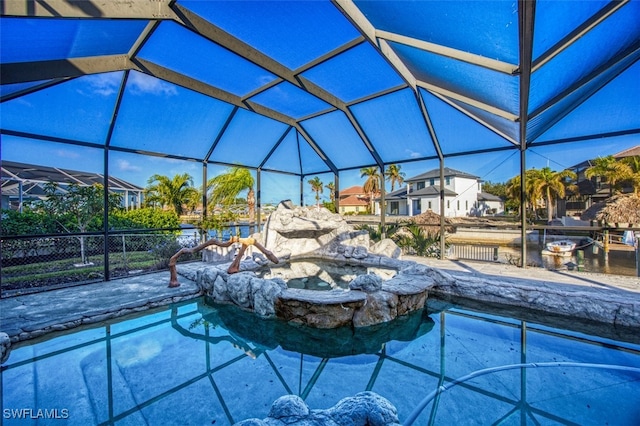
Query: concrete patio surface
[
  {"x": 33, "y": 315},
  {"x": 28, "y": 316},
  {"x": 536, "y": 276}
]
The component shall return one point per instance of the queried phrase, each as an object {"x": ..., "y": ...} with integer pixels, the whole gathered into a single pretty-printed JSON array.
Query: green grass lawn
[{"x": 56, "y": 272}]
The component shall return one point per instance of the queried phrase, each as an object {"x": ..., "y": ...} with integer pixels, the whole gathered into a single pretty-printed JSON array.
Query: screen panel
[{"x": 158, "y": 116}]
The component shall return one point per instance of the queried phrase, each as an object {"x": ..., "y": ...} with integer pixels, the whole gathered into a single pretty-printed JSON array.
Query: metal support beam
[
  {"x": 248, "y": 52},
  {"x": 523, "y": 210},
  {"x": 526, "y": 16},
  {"x": 336, "y": 192},
  {"x": 208, "y": 90},
  {"x": 258, "y": 200},
  {"x": 205, "y": 195},
  {"x": 436, "y": 144},
  {"x": 299, "y": 152},
  {"x": 275, "y": 146},
  {"x": 360, "y": 21},
  {"x": 620, "y": 62},
  {"x": 112, "y": 125},
  {"x": 364, "y": 137},
  {"x": 446, "y": 95},
  {"x": 301, "y": 190},
  {"x": 220, "y": 133},
  {"x": 383, "y": 204},
  {"x": 448, "y": 52},
  {"x": 23, "y": 72},
  {"x": 105, "y": 214},
  {"x": 316, "y": 148},
  {"x": 32, "y": 89},
  {"x": 575, "y": 35},
  {"x": 126, "y": 9}
]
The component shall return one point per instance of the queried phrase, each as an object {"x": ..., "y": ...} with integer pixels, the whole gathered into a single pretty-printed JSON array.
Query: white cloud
[
  {"x": 412, "y": 154},
  {"x": 24, "y": 102},
  {"x": 265, "y": 79},
  {"x": 125, "y": 166},
  {"x": 65, "y": 153},
  {"x": 144, "y": 84},
  {"x": 103, "y": 84}
]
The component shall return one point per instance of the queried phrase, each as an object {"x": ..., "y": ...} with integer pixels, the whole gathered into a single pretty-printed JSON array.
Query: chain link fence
[{"x": 32, "y": 264}]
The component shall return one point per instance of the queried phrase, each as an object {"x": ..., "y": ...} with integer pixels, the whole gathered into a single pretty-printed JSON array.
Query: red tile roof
[
  {"x": 353, "y": 190},
  {"x": 354, "y": 200}
]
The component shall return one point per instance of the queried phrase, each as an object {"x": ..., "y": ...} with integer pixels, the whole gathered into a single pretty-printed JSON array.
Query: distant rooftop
[
  {"x": 435, "y": 173},
  {"x": 628, "y": 152},
  {"x": 622, "y": 154},
  {"x": 34, "y": 174},
  {"x": 352, "y": 190}
]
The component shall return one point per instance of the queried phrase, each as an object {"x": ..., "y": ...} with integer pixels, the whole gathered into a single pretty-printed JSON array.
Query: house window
[
  {"x": 432, "y": 182},
  {"x": 429, "y": 205},
  {"x": 447, "y": 180},
  {"x": 357, "y": 209},
  {"x": 448, "y": 204},
  {"x": 395, "y": 207},
  {"x": 466, "y": 205},
  {"x": 419, "y": 185},
  {"x": 458, "y": 205}
]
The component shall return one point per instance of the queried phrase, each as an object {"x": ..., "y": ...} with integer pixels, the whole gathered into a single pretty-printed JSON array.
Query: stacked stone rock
[{"x": 365, "y": 408}]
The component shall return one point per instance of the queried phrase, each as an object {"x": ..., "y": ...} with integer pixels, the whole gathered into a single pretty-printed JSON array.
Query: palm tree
[
  {"x": 612, "y": 170},
  {"x": 175, "y": 192},
  {"x": 394, "y": 175},
  {"x": 226, "y": 187},
  {"x": 331, "y": 186},
  {"x": 532, "y": 194},
  {"x": 552, "y": 185},
  {"x": 372, "y": 184},
  {"x": 634, "y": 164},
  {"x": 317, "y": 187}
]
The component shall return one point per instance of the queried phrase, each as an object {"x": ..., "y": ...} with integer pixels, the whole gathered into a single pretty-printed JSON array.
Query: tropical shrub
[
  {"x": 375, "y": 232},
  {"x": 329, "y": 205},
  {"x": 145, "y": 218},
  {"x": 415, "y": 240},
  {"x": 27, "y": 222}
]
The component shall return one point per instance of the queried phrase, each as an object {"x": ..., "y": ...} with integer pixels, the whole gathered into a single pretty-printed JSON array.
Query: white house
[{"x": 463, "y": 195}]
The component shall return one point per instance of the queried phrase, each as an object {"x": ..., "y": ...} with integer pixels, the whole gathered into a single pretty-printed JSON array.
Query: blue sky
[
  {"x": 164, "y": 118},
  {"x": 136, "y": 168},
  {"x": 156, "y": 116}
]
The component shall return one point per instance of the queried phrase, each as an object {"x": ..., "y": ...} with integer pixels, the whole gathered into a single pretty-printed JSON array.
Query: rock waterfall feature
[{"x": 315, "y": 234}]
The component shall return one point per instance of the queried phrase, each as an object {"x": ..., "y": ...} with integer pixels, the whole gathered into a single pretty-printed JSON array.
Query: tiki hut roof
[
  {"x": 622, "y": 208},
  {"x": 430, "y": 222}
]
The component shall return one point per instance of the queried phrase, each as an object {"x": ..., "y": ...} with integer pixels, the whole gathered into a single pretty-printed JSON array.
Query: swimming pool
[{"x": 192, "y": 363}]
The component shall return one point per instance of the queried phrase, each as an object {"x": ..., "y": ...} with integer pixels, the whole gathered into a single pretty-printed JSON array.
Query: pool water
[{"x": 197, "y": 364}]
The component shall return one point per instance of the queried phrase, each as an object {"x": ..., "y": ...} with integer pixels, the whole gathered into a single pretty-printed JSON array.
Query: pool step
[{"x": 95, "y": 373}]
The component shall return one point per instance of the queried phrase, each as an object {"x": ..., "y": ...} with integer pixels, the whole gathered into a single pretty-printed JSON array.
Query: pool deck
[{"x": 29, "y": 316}]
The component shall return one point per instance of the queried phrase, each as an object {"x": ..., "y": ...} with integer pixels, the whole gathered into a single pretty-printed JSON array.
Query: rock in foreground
[{"x": 365, "y": 408}]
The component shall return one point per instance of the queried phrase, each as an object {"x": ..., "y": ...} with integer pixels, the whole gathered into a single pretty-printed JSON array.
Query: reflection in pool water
[
  {"x": 193, "y": 363},
  {"x": 321, "y": 275}
]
